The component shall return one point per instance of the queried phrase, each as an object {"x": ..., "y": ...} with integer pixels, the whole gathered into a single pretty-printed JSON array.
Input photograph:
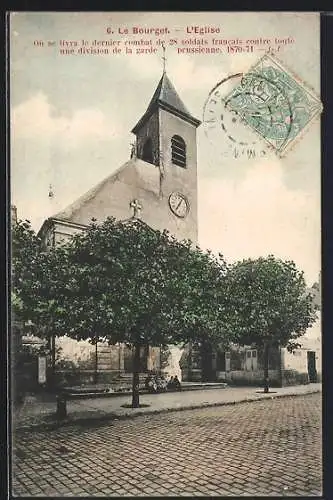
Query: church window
[
  {"x": 178, "y": 151},
  {"x": 147, "y": 152}
]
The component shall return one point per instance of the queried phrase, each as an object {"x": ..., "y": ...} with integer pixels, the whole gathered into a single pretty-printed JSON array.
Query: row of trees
[{"x": 125, "y": 282}]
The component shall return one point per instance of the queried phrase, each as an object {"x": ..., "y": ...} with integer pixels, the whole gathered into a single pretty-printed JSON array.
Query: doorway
[
  {"x": 251, "y": 360},
  {"x": 312, "y": 371},
  {"x": 208, "y": 371}
]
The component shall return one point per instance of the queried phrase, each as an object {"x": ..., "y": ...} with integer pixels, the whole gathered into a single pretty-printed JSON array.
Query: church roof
[
  {"x": 166, "y": 97},
  {"x": 166, "y": 92},
  {"x": 135, "y": 171}
]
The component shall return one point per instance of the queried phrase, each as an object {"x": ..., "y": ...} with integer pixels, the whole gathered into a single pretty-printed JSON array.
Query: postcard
[{"x": 138, "y": 138}]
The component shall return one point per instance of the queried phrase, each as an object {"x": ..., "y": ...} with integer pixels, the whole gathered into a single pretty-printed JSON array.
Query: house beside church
[{"x": 244, "y": 365}]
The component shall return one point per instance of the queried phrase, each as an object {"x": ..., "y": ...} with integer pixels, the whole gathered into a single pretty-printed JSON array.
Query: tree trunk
[
  {"x": 53, "y": 354},
  {"x": 96, "y": 364},
  {"x": 280, "y": 367},
  {"x": 51, "y": 381},
  {"x": 190, "y": 361},
  {"x": 136, "y": 379},
  {"x": 266, "y": 379}
]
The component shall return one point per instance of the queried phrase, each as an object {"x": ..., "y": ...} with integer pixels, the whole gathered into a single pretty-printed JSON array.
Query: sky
[{"x": 71, "y": 117}]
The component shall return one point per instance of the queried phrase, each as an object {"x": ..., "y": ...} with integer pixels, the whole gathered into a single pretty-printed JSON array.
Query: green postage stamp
[{"x": 274, "y": 103}]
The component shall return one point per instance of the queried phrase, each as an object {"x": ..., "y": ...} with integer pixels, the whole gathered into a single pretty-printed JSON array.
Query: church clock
[{"x": 179, "y": 204}]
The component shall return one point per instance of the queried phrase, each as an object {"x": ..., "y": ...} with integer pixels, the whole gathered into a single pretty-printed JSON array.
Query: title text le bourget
[{"x": 137, "y": 30}]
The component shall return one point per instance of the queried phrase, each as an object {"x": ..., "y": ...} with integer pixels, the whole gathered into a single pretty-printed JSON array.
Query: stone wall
[
  {"x": 294, "y": 377},
  {"x": 256, "y": 378}
]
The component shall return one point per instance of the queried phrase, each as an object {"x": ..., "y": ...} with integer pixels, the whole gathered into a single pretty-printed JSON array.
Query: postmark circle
[
  {"x": 245, "y": 107},
  {"x": 217, "y": 114}
]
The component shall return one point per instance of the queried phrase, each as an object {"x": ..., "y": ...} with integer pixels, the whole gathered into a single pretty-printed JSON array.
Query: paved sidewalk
[{"x": 37, "y": 415}]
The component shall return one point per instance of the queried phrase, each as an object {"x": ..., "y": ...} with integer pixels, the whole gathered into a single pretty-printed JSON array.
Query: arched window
[
  {"x": 147, "y": 151},
  {"x": 178, "y": 151}
]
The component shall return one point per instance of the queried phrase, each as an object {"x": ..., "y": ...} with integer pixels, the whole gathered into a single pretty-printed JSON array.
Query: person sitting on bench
[
  {"x": 151, "y": 383},
  {"x": 161, "y": 384},
  {"x": 176, "y": 383},
  {"x": 170, "y": 383}
]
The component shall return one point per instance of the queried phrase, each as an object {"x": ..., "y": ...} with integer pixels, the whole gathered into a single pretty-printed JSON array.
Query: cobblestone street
[{"x": 268, "y": 447}]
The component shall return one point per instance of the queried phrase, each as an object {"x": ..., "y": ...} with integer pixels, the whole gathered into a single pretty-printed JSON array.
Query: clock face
[{"x": 179, "y": 204}]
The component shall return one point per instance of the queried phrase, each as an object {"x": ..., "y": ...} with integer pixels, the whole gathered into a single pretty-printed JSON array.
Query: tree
[
  {"x": 125, "y": 282},
  {"x": 25, "y": 272},
  {"x": 269, "y": 304},
  {"x": 25, "y": 251},
  {"x": 33, "y": 271}
]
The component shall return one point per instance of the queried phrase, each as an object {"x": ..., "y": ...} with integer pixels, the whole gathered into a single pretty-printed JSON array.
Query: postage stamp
[{"x": 274, "y": 103}]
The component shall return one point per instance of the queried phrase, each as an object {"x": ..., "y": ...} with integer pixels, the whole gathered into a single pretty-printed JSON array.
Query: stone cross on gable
[{"x": 135, "y": 204}]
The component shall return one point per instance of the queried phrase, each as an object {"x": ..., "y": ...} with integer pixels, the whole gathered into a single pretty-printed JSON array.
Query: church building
[{"x": 157, "y": 184}]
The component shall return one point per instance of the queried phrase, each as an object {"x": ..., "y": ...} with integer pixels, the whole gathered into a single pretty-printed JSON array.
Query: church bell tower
[{"x": 166, "y": 138}]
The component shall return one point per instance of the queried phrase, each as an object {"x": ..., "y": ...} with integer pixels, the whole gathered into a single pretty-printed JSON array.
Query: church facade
[{"x": 158, "y": 184}]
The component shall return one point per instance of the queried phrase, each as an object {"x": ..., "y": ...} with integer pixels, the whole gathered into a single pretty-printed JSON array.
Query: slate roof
[{"x": 166, "y": 97}]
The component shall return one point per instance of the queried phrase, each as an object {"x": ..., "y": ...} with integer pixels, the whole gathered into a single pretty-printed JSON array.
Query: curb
[{"x": 46, "y": 426}]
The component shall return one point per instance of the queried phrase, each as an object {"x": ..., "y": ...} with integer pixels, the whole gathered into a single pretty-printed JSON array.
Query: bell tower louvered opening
[
  {"x": 178, "y": 151},
  {"x": 147, "y": 152}
]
